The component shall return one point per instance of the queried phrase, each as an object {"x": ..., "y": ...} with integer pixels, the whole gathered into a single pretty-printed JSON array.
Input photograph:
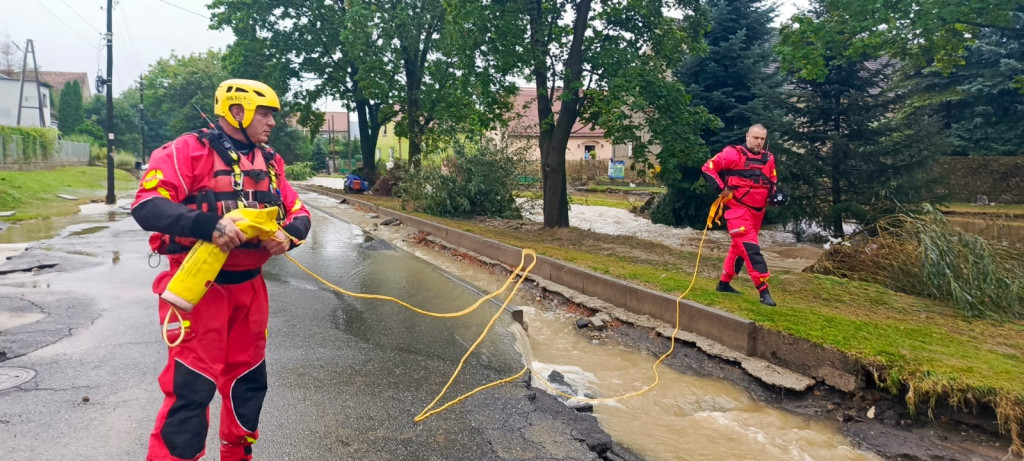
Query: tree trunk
[
  {"x": 554, "y": 134},
  {"x": 369, "y": 128}
]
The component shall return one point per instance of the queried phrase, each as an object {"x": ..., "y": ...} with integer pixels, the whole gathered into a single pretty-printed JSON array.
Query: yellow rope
[{"x": 714, "y": 215}]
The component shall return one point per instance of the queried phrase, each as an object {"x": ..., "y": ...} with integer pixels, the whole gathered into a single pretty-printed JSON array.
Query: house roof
[
  {"x": 58, "y": 79},
  {"x": 525, "y": 120}
]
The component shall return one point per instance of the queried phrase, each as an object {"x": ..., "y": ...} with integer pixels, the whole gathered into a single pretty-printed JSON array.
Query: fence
[{"x": 21, "y": 153}]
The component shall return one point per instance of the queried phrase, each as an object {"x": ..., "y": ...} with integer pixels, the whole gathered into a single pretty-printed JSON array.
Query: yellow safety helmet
[{"x": 248, "y": 93}]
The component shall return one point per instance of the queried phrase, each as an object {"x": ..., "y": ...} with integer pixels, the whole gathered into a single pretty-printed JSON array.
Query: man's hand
[
  {"x": 277, "y": 245},
  {"x": 725, "y": 192},
  {"x": 226, "y": 234}
]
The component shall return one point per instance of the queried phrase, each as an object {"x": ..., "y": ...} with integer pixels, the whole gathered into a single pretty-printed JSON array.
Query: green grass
[
  {"x": 660, "y": 189},
  {"x": 33, "y": 194},
  {"x": 919, "y": 344}
]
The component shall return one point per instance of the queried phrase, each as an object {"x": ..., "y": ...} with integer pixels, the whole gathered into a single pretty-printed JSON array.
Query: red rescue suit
[
  {"x": 751, "y": 177},
  {"x": 226, "y": 333}
]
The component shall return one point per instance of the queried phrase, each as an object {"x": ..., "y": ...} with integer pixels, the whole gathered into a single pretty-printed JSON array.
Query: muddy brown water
[{"x": 999, "y": 229}]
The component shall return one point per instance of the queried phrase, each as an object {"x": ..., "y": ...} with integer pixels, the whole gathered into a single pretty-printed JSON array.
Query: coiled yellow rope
[{"x": 520, "y": 273}]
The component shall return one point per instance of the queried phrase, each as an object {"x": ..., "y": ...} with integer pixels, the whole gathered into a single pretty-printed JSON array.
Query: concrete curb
[{"x": 736, "y": 333}]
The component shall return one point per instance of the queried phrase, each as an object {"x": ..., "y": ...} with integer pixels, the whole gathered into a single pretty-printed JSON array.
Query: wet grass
[
  {"x": 920, "y": 347},
  {"x": 33, "y": 194}
]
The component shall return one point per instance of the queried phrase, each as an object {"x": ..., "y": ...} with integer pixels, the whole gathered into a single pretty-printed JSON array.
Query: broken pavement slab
[
  {"x": 27, "y": 264},
  {"x": 7, "y": 214},
  {"x": 67, "y": 197},
  {"x": 758, "y": 368}
]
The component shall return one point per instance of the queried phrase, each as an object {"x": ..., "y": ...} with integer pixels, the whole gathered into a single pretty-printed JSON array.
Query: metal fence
[{"x": 15, "y": 150}]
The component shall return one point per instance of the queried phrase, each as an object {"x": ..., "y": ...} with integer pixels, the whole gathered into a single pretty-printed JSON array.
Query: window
[
  {"x": 590, "y": 152},
  {"x": 391, "y": 154},
  {"x": 378, "y": 154},
  {"x": 384, "y": 131}
]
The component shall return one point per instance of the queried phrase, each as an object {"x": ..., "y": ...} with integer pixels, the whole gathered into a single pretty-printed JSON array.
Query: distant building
[
  {"x": 586, "y": 142},
  {"x": 29, "y": 105},
  {"x": 56, "y": 80}
]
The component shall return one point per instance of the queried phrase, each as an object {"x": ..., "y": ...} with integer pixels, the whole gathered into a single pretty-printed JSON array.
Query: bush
[
  {"x": 27, "y": 144},
  {"x": 922, "y": 254},
  {"x": 299, "y": 171},
  {"x": 471, "y": 181}
]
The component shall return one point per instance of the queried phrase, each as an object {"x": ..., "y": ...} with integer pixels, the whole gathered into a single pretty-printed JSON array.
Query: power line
[
  {"x": 62, "y": 21},
  {"x": 185, "y": 9},
  {"x": 80, "y": 17}
]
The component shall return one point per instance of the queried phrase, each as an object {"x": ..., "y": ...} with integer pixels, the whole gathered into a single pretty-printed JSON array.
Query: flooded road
[{"x": 682, "y": 418}]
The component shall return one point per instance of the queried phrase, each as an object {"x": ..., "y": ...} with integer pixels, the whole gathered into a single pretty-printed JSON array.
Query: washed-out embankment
[{"x": 775, "y": 358}]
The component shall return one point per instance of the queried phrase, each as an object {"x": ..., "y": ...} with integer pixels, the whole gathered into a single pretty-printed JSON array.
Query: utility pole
[
  {"x": 30, "y": 48},
  {"x": 142, "y": 118},
  {"x": 111, "y": 198}
]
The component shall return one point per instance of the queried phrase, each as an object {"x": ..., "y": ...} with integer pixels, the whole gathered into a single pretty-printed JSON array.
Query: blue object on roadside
[{"x": 353, "y": 183}]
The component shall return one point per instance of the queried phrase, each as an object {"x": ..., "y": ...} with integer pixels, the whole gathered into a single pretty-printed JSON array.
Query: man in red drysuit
[
  {"x": 190, "y": 184},
  {"x": 746, "y": 176}
]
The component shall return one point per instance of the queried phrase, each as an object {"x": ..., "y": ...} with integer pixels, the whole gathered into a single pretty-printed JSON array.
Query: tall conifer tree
[{"x": 735, "y": 82}]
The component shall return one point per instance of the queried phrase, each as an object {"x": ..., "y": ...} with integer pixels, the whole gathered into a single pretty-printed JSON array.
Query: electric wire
[
  {"x": 185, "y": 9},
  {"x": 72, "y": 29}
]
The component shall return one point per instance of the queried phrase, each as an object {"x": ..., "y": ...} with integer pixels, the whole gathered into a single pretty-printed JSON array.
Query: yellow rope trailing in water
[{"x": 714, "y": 215}]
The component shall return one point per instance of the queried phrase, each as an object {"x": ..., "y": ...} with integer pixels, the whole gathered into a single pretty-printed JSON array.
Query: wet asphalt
[{"x": 347, "y": 376}]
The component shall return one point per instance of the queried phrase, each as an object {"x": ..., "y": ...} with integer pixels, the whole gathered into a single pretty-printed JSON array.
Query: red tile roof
[{"x": 58, "y": 79}]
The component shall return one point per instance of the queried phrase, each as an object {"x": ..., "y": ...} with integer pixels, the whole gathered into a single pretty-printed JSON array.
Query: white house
[{"x": 9, "y": 91}]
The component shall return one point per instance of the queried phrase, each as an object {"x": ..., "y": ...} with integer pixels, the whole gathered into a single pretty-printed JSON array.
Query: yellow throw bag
[{"x": 204, "y": 261}]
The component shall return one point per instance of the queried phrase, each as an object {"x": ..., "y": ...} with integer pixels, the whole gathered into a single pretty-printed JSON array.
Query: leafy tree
[
  {"x": 851, "y": 159},
  {"x": 70, "y": 108},
  {"x": 612, "y": 58},
  {"x": 126, "y": 129},
  {"x": 410, "y": 58},
  {"x": 982, "y": 113},
  {"x": 917, "y": 32},
  {"x": 334, "y": 44},
  {"x": 176, "y": 84}
]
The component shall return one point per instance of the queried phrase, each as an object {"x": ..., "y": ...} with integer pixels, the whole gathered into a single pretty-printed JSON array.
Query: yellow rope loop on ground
[
  {"x": 519, "y": 271},
  {"x": 716, "y": 209},
  {"x": 714, "y": 214}
]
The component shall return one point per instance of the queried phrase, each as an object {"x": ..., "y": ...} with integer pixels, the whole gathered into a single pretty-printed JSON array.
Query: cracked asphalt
[{"x": 347, "y": 376}]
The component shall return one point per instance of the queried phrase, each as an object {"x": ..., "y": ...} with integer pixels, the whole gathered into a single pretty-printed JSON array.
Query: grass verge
[
  {"x": 918, "y": 347},
  {"x": 33, "y": 194}
]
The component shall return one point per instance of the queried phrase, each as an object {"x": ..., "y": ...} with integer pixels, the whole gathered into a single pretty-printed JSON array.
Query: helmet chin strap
[{"x": 245, "y": 134}]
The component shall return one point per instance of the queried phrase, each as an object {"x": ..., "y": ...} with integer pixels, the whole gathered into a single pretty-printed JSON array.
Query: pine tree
[
  {"x": 69, "y": 108},
  {"x": 735, "y": 82},
  {"x": 982, "y": 110},
  {"x": 855, "y": 156},
  {"x": 736, "y": 74}
]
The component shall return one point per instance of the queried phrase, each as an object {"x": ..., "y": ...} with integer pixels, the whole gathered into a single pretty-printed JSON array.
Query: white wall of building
[{"x": 9, "y": 90}]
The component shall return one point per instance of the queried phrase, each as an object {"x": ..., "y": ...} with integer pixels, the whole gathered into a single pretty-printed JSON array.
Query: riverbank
[{"x": 912, "y": 349}]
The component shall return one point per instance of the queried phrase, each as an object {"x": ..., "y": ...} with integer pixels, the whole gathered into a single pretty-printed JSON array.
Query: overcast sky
[{"x": 67, "y": 34}]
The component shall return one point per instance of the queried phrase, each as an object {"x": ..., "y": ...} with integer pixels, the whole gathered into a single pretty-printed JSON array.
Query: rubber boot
[
  {"x": 766, "y": 298},
  {"x": 235, "y": 452},
  {"x": 724, "y": 287}
]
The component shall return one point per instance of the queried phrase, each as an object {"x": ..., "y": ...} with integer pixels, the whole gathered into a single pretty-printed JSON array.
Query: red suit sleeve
[
  {"x": 728, "y": 159},
  {"x": 297, "y": 219}
]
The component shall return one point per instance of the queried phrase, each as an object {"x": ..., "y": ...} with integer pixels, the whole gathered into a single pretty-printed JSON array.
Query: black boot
[
  {"x": 724, "y": 287},
  {"x": 766, "y": 298}
]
